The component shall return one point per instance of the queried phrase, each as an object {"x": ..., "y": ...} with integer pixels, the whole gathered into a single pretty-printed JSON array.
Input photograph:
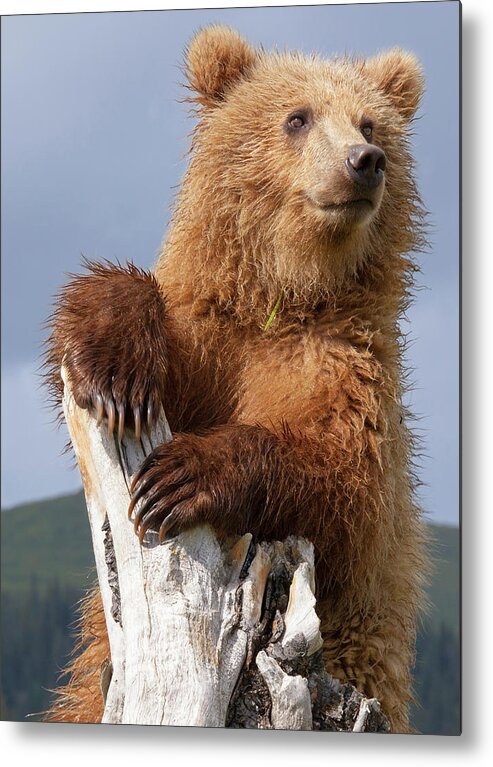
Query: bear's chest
[{"x": 301, "y": 379}]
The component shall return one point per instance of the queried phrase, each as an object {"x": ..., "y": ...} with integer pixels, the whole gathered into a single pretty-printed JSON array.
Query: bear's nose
[{"x": 366, "y": 164}]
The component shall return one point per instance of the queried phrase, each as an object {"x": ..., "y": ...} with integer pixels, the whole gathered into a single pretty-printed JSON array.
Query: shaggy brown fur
[{"x": 299, "y": 429}]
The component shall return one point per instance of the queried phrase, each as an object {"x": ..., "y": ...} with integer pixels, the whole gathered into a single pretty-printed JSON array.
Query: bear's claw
[
  {"x": 110, "y": 411},
  {"x": 168, "y": 493},
  {"x": 137, "y": 423},
  {"x": 99, "y": 409},
  {"x": 118, "y": 413},
  {"x": 168, "y": 525}
]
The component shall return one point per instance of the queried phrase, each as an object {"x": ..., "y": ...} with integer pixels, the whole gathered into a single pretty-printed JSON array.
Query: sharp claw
[
  {"x": 135, "y": 481},
  {"x": 99, "y": 409},
  {"x": 150, "y": 418},
  {"x": 148, "y": 464},
  {"x": 137, "y": 477},
  {"x": 147, "y": 503},
  {"x": 138, "y": 424},
  {"x": 131, "y": 506},
  {"x": 142, "y": 532},
  {"x": 121, "y": 421},
  {"x": 167, "y": 525},
  {"x": 154, "y": 501},
  {"x": 110, "y": 409},
  {"x": 146, "y": 508}
]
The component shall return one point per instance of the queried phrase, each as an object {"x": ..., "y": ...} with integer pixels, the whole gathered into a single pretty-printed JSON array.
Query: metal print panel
[{"x": 254, "y": 360}]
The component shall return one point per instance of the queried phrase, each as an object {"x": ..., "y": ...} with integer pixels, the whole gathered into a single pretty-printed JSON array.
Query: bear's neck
[
  {"x": 219, "y": 280},
  {"x": 217, "y": 260}
]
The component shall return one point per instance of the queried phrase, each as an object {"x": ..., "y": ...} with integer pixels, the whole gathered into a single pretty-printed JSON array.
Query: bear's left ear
[
  {"x": 216, "y": 58},
  {"x": 399, "y": 74}
]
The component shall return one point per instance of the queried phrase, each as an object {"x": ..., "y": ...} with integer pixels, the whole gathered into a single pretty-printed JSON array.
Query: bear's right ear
[
  {"x": 216, "y": 58},
  {"x": 399, "y": 74}
]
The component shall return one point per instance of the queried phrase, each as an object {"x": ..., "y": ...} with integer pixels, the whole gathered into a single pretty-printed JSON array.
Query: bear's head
[{"x": 301, "y": 173}]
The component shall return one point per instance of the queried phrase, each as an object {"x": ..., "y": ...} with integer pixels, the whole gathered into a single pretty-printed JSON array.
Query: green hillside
[
  {"x": 444, "y": 591},
  {"x": 437, "y": 671},
  {"x": 50, "y": 540},
  {"x": 47, "y": 563},
  {"x": 46, "y": 541}
]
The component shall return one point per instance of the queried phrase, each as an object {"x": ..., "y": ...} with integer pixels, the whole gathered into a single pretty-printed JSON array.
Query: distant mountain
[{"x": 47, "y": 562}]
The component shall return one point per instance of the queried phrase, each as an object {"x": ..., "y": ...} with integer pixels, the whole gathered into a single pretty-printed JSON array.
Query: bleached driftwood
[{"x": 201, "y": 632}]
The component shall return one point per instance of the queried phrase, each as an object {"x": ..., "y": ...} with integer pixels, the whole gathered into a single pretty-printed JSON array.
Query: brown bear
[{"x": 269, "y": 331}]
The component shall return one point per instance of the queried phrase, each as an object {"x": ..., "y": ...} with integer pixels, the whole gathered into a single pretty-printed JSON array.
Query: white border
[{"x": 72, "y": 6}]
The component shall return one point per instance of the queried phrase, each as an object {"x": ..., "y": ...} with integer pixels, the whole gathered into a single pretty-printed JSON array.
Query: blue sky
[{"x": 93, "y": 144}]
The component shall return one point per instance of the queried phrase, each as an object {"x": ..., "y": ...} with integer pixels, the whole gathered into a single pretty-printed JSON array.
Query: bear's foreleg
[
  {"x": 237, "y": 478},
  {"x": 109, "y": 330}
]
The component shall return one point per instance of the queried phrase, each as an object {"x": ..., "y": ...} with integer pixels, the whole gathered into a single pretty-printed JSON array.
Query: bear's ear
[
  {"x": 216, "y": 58},
  {"x": 399, "y": 74}
]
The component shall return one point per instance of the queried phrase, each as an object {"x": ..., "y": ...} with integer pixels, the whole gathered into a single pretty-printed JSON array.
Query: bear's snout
[{"x": 366, "y": 165}]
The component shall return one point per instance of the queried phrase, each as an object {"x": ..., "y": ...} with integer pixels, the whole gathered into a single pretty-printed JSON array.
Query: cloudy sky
[{"x": 93, "y": 144}]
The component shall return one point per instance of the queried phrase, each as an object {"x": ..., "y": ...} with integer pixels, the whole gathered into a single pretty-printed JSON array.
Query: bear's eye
[
  {"x": 367, "y": 130},
  {"x": 298, "y": 120}
]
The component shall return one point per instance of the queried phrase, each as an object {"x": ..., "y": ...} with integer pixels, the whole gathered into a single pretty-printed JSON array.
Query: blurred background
[{"x": 94, "y": 138}]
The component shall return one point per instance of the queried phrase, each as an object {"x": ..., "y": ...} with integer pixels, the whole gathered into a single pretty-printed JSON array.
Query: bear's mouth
[
  {"x": 346, "y": 214},
  {"x": 361, "y": 205}
]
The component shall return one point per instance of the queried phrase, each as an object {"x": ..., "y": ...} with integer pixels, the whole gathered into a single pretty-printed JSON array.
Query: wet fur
[{"x": 296, "y": 430}]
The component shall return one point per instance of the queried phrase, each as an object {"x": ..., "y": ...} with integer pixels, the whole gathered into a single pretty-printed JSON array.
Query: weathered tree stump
[{"x": 204, "y": 632}]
